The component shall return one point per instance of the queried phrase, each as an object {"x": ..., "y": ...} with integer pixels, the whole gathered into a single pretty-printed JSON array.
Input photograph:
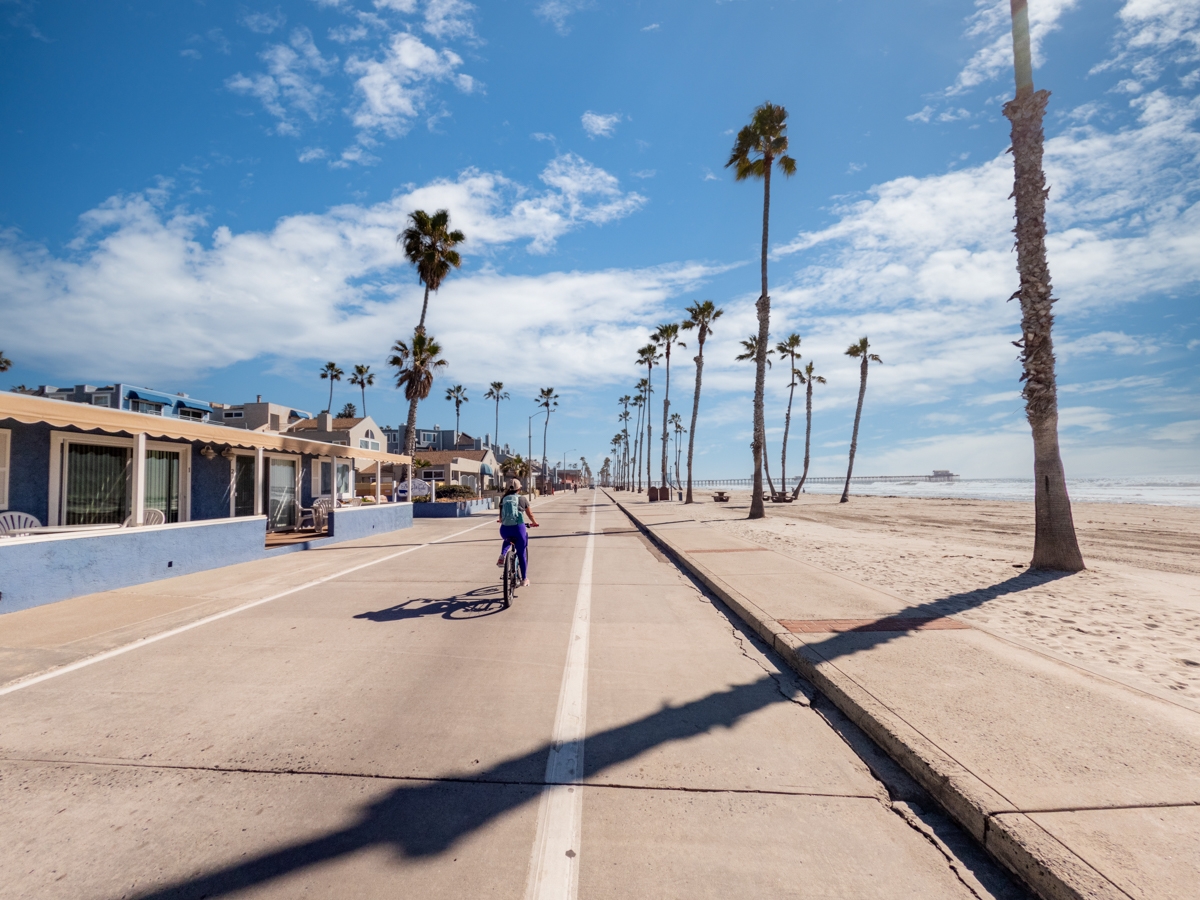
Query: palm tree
[
  {"x": 639, "y": 403},
  {"x": 617, "y": 444},
  {"x": 758, "y": 145},
  {"x": 677, "y": 427},
  {"x": 548, "y": 400},
  {"x": 789, "y": 347},
  {"x": 648, "y": 356},
  {"x": 333, "y": 373},
  {"x": 1055, "y": 545},
  {"x": 806, "y": 377},
  {"x": 858, "y": 351},
  {"x": 457, "y": 394},
  {"x": 623, "y": 460},
  {"x": 701, "y": 315},
  {"x": 5, "y": 362},
  {"x": 415, "y": 366},
  {"x": 496, "y": 392},
  {"x": 665, "y": 336},
  {"x": 348, "y": 411},
  {"x": 429, "y": 245},
  {"x": 750, "y": 351},
  {"x": 364, "y": 378}
]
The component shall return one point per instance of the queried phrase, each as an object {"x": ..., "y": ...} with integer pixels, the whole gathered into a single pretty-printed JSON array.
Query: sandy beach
[{"x": 1133, "y": 616}]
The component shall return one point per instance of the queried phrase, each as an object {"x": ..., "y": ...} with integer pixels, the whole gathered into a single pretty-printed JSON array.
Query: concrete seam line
[
  {"x": 154, "y": 638},
  {"x": 554, "y": 863},
  {"x": 1071, "y": 878}
]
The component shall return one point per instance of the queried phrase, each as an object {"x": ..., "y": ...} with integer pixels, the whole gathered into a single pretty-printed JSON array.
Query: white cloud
[
  {"x": 309, "y": 154},
  {"x": 1108, "y": 343},
  {"x": 290, "y": 83},
  {"x": 1186, "y": 432},
  {"x": 600, "y": 125},
  {"x": 400, "y": 6},
  {"x": 556, "y": 12},
  {"x": 348, "y": 34},
  {"x": 652, "y": 27},
  {"x": 992, "y": 24},
  {"x": 1192, "y": 345},
  {"x": 394, "y": 89},
  {"x": 263, "y": 22},
  {"x": 449, "y": 19},
  {"x": 141, "y": 294},
  {"x": 1155, "y": 33}
]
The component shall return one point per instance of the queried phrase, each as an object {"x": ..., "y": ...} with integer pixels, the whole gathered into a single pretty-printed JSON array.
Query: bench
[{"x": 720, "y": 497}]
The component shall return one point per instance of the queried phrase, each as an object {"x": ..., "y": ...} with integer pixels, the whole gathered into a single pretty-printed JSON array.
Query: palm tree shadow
[
  {"x": 425, "y": 819},
  {"x": 484, "y": 601},
  {"x": 865, "y": 637}
]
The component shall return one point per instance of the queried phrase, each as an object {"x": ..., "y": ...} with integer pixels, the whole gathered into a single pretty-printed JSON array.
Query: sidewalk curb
[{"x": 1049, "y": 868}]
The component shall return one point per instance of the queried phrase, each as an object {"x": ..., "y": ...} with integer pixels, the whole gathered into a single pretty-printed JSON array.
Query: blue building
[{"x": 130, "y": 397}]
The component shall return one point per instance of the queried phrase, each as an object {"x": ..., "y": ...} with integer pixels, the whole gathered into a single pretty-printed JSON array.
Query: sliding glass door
[
  {"x": 243, "y": 485},
  {"x": 97, "y": 490},
  {"x": 281, "y": 494},
  {"x": 162, "y": 482}
]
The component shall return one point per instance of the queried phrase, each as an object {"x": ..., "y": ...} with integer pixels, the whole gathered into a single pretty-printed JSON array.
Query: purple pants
[{"x": 517, "y": 535}]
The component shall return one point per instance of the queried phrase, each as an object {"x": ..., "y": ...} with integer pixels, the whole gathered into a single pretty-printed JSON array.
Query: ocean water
[{"x": 1156, "y": 491}]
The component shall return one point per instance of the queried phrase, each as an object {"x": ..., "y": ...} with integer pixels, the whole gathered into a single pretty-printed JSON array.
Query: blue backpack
[{"x": 510, "y": 510}]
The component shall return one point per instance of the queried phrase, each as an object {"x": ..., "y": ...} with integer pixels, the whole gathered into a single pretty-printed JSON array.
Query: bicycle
[{"x": 511, "y": 579}]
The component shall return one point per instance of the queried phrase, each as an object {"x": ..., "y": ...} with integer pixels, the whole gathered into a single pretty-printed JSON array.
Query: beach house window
[
  {"x": 162, "y": 482},
  {"x": 326, "y": 477},
  {"x": 5, "y": 465},
  {"x": 281, "y": 493},
  {"x": 343, "y": 481},
  {"x": 100, "y": 400},
  {"x": 243, "y": 485},
  {"x": 97, "y": 484},
  {"x": 145, "y": 406},
  {"x": 364, "y": 444},
  {"x": 234, "y": 414},
  {"x": 194, "y": 414}
]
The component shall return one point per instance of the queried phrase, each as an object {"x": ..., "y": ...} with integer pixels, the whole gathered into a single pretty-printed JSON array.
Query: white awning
[{"x": 84, "y": 416}]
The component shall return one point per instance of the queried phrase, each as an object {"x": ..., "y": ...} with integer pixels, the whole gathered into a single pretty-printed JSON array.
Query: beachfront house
[
  {"x": 82, "y": 470},
  {"x": 477, "y": 469},
  {"x": 258, "y": 416},
  {"x": 129, "y": 397}
]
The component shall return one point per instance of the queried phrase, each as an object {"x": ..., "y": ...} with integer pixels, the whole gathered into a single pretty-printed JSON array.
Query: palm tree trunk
[
  {"x": 666, "y": 435},
  {"x": 787, "y": 424},
  {"x": 807, "y": 437},
  {"x": 695, "y": 412},
  {"x": 496, "y": 436},
  {"x": 637, "y": 451},
  {"x": 364, "y": 400},
  {"x": 410, "y": 433},
  {"x": 862, "y": 392},
  {"x": 545, "y": 432},
  {"x": 763, "y": 307},
  {"x": 329, "y": 408},
  {"x": 424, "y": 307},
  {"x": 1055, "y": 545},
  {"x": 767, "y": 471},
  {"x": 649, "y": 427}
]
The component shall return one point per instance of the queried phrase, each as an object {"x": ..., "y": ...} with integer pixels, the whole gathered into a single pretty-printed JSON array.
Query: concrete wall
[
  {"x": 459, "y": 510},
  {"x": 46, "y": 568},
  {"x": 353, "y": 522}
]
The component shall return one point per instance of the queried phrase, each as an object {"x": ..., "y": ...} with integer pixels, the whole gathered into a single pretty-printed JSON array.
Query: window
[
  {"x": 274, "y": 421},
  {"x": 194, "y": 414},
  {"x": 97, "y": 490},
  {"x": 326, "y": 477},
  {"x": 343, "y": 480},
  {"x": 162, "y": 483},
  {"x": 5, "y": 465},
  {"x": 281, "y": 493},
  {"x": 370, "y": 433},
  {"x": 145, "y": 406},
  {"x": 233, "y": 414},
  {"x": 100, "y": 400},
  {"x": 243, "y": 485},
  {"x": 364, "y": 444}
]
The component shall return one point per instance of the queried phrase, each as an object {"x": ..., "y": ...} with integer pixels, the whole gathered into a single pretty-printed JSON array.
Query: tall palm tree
[
  {"x": 789, "y": 347},
  {"x": 701, "y": 315},
  {"x": 648, "y": 356},
  {"x": 623, "y": 461},
  {"x": 548, "y": 400},
  {"x": 1055, "y": 545},
  {"x": 429, "y": 245},
  {"x": 5, "y": 362},
  {"x": 665, "y": 336},
  {"x": 415, "y": 365},
  {"x": 809, "y": 379},
  {"x": 363, "y": 377},
  {"x": 639, "y": 403},
  {"x": 859, "y": 351},
  {"x": 759, "y": 145},
  {"x": 496, "y": 392},
  {"x": 761, "y": 464},
  {"x": 333, "y": 373},
  {"x": 458, "y": 395}
]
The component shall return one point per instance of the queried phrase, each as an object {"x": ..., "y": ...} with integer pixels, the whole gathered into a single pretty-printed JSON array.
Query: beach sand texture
[{"x": 1133, "y": 616}]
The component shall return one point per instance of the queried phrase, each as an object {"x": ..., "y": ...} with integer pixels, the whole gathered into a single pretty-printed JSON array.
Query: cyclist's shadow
[{"x": 484, "y": 601}]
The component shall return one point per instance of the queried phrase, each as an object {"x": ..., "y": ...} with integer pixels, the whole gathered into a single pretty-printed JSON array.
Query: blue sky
[{"x": 204, "y": 197}]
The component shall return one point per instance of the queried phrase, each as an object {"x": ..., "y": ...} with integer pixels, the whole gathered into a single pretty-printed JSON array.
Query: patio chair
[
  {"x": 151, "y": 516},
  {"x": 317, "y": 513},
  {"x": 13, "y": 523}
]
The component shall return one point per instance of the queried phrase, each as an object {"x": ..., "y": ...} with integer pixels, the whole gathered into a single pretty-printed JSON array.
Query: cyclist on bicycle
[{"x": 513, "y": 508}]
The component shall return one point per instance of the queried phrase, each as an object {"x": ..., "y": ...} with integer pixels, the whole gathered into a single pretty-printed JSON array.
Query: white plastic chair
[
  {"x": 13, "y": 522},
  {"x": 151, "y": 516}
]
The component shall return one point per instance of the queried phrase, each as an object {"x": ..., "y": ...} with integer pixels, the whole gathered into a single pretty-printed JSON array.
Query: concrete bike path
[
  {"x": 1083, "y": 787},
  {"x": 388, "y": 733}
]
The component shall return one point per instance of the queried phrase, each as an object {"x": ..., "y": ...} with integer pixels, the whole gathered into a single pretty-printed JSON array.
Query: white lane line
[
  {"x": 142, "y": 642},
  {"x": 554, "y": 865}
]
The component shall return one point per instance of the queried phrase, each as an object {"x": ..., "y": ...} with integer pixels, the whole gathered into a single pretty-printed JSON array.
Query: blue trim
[
  {"x": 184, "y": 402},
  {"x": 152, "y": 397}
]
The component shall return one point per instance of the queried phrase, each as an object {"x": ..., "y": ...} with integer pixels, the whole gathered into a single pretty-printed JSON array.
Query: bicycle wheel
[{"x": 510, "y": 575}]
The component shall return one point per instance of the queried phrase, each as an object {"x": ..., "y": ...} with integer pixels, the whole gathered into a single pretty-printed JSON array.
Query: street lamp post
[{"x": 529, "y": 456}]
